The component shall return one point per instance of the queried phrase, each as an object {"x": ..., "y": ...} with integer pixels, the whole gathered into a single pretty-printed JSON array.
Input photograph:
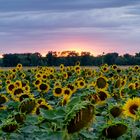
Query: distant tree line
[{"x": 68, "y": 58}]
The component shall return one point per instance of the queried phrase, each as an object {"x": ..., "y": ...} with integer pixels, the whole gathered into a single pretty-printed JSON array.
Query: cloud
[
  {"x": 25, "y": 23},
  {"x": 27, "y": 5}
]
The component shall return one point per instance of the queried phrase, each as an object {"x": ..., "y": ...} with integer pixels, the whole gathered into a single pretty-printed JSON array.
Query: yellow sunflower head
[
  {"x": 3, "y": 99},
  {"x": 131, "y": 107},
  {"x": 10, "y": 87},
  {"x": 43, "y": 87},
  {"x": 81, "y": 83},
  {"x": 58, "y": 91}
]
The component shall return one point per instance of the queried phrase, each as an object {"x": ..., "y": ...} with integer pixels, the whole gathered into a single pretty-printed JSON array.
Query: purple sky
[{"x": 82, "y": 25}]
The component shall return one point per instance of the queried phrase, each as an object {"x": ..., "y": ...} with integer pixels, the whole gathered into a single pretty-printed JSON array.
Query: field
[{"x": 70, "y": 103}]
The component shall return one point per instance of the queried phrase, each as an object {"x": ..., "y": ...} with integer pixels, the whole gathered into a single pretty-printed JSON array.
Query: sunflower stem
[
  {"x": 8, "y": 136},
  {"x": 133, "y": 130}
]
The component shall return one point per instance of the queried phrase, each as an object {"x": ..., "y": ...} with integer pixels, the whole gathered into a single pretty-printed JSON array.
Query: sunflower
[
  {"x": 62, "y": 67},
  {"x": 26, "y": 88},
  {"x": 8, "y": 82},
  {"x": 27, "y": 105},
  {"x": 23, "y": 96},
  {"x": 44, "y": 76},
  {"x": 116, "y": 111},
  {"x": 103, "y": 95},
  {"x": 43, "y": 87},
  {"x": 58, "y": 91},
  {"x": 18, "y": 83},
  {"x": 122, "y": 92},
  {"x": 42, "y": 105},
  {"x": 114, "y": 67},
  {"x": 131, "y": 107},
  {"x": 82, "y": 119},
  {"x": 72, "y": 87},
  {"x": 81, "y": 83},
  {"x": 17, "y": 91},
  {"x": 77, "y": 68},
  {"x": 104, "y": 69},
  {"x": 118, "y": 83},
  {"x": 13, "y": 70},
  {"x": 40, "y": 100},
  {"x": 123, "y": 82},
  {"x": 19, "y": 66},
  {"x": 38, "y": 76},
  {"x": 3, "y": 99},
  {"x": 2, "y": 107},
  {"x": 101, "y": 82},
  {"x": 57, "y": 83},
  {"x": 65, "y": 75},
  {"x": 37, "y": 82},
  {"x": 10, "y": 87},
  {"x": 65, "y": 100},
  {"x": 137, "y": 84},
  {"x": 131, "y": 86},
  {"x": 77, "y": 63},
  {"x": 67, "y": 91},
  {"x": 114, "y": 130},
  {"x": 9, "y": 127}
]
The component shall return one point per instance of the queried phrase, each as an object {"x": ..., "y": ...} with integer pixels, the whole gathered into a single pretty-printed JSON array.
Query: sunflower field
[{"x": 70, "y": 103}]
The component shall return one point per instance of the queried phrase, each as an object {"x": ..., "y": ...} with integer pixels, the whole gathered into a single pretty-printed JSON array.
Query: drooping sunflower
[
  {"x": 23, "y": 96},
  {"x": 114, "y": 131},
  {"x": 42, "y": 105},
  {"x": 116, "y": 111},
  {"x": 131, "y": 107},
  {"x": 27, "y": 105},
  {"x": 58, "y": 91},
  {"x": 82, "y": 119},
  {"x": 9, "y": 127},
  {"x": 118, "y": 83},
  {"x": 40, "y": 100},
  {"x": 103, "y": 95},
  {"x": 101, "y": 82}
]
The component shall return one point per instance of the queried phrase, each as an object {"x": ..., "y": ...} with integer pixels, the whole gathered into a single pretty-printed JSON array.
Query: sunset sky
[{"x": 83, "y": 25}]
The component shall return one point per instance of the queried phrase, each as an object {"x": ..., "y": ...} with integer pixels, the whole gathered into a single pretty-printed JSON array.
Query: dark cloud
[{"x": 30, "y": 5}]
